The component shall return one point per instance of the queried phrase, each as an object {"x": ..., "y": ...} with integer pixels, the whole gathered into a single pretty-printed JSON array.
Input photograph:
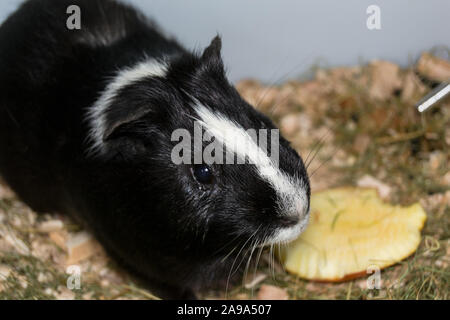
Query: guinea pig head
[{"x": 210, "y": 172}]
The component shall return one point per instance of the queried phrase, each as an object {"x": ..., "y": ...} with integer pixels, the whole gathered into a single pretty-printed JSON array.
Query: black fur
[{"x": 150, "y": 214}]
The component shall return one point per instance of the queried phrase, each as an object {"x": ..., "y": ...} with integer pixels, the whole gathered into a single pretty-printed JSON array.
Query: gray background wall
[{"x": 269, "y": 39}]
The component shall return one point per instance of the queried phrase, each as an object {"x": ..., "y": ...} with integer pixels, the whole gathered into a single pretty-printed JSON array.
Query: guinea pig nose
[{"x": 289, "y": 221}]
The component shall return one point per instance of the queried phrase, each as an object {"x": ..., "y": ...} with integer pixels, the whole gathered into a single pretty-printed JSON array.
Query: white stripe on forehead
[
  {"x": 291, "y": 192},
  {"x": 125, "y": 77}
]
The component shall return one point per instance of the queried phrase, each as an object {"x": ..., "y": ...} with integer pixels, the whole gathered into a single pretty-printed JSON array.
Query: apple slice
[{"x": 351, "y": 230}]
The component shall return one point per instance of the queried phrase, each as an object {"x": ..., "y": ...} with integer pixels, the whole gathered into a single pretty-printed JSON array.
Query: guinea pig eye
[{"x": 202, "y": 173}]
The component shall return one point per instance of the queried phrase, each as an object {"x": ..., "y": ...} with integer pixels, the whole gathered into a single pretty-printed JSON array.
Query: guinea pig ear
[
  {"x": 212, "y": 52},
  {"x": 120, "y": 123},
  {"x": 114, "y": 121}
]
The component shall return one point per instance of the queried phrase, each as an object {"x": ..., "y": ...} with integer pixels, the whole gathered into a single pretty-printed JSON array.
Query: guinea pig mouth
[{"x": 286, "y": 234}]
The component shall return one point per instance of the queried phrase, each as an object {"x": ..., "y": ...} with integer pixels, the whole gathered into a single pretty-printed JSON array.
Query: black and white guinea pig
[{"x": 86, "y": 123}]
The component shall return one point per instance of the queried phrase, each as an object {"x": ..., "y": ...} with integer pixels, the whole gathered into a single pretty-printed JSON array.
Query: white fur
[
  {"x": 107, "y": 30},
  {"x": 124, "y": 78},
  {"x": 288, "y": 234},
  {"x": 291, "y": 192},
  {"x": 99, "y": 38}
]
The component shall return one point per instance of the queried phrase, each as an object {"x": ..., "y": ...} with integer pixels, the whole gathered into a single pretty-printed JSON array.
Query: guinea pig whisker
[
  {"x": 279, "y": 250},
  {"x": 252, "y": 245},
  {"x": 279, "y": 102},
  {"x": 226, "y": 245},
  {"x": 235, "y": 259},
  {"x": 244, "y": 278},
  {"x": 246, "y": 251},
  {"x": 231, "y": 269},
  {"x": 316, "y": 152},
  {"x": 11, "y": 116},
  {"x": 316, "y": 149},
  {"x": 336, "y": 148},
  {"x": 274, "y": 81},
  {"x": 258, "y": 258},
  {"x": 272, "y": 261},
  {"x": 228, "y": 254},
  {"x": 282, "y": 79}
]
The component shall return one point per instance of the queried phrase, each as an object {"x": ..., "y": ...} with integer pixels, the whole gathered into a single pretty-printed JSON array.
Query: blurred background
[{"x": 269, "y": 39}]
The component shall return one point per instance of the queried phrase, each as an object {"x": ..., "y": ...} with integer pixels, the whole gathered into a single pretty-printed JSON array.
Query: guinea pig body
[{"x": 86, "y": 128}]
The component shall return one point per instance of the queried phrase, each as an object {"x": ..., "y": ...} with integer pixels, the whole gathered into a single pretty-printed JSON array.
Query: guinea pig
[{"x": 87, "y": 117}]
